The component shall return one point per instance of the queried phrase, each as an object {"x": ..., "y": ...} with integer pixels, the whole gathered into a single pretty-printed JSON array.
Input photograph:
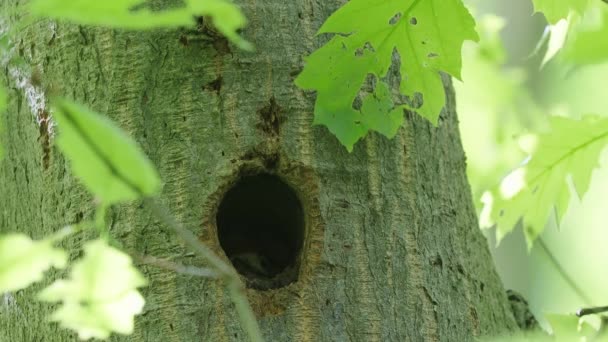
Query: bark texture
[{"x": 391, "y": 250}]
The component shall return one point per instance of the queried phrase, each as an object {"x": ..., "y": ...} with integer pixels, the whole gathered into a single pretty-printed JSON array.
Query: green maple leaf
[
  {"x": 101, "y": 295},
  {"x": 555, "y": 10},
  {"x": 108, "y": 161},
  {"x": 428, "y": 36},
  {"x": 572, "y": 148},
  {"x": 226, "y": 16}
]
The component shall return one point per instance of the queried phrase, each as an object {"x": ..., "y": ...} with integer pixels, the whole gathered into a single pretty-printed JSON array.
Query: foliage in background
[
  {"x": 101, "y": 295},
  {"x": 580, "y": 34},
  {"x": 555, "y": 10},
  {"x": 570, "y": 151},
  {"x": 427, "y": 35},
  {"x": 503, "y": 108},
  {"x": 23, "y": 261},
  {"x": 587, "y": 43},
  {"x": 493, "y": 107}
]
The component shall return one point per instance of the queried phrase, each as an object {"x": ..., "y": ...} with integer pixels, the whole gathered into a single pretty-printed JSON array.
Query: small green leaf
[
  {"x": 554, "y": 10},
  {"x": 572, "y": 148},
  {"x": 108, "y": 161},
  {"x": 23, "y": 261},
  {"x": 428, "y": 36},
  {"x": 100, "y": 297},
  {"x": 226, "y": 16}
]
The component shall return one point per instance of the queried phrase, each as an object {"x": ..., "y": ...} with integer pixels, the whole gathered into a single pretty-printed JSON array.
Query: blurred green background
[{"x": 506, "y": 94}]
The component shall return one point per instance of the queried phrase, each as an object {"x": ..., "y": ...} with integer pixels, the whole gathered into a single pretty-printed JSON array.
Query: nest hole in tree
[{"x": 260, "y": 225}]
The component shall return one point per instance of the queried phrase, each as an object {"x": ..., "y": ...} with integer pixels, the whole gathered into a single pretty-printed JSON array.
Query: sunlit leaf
[
  {"x": 428, "y": 36},
  {"x": 587, "y": 42},
  {"x": 570, "y": 328},
  {"x": 24, "y": 261},
  {"x": 493, "y": 106},
  {"x": 554, "y": 10},
  {"x": 226, "y": 16},
  {"x": 562, "y": 325},
  {"x": 572, "y": 148},
  {"x": 108, "y": 161},
  {"x": 557, "y": 38},
  {"x": 101, "y": 296}
]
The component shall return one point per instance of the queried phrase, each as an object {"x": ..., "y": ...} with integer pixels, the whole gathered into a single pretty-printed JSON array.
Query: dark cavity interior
[{"x": 260, "y": 224}]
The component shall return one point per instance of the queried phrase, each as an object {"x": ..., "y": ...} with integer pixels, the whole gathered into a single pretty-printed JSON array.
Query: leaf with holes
[
  {"x": 24, "y": 261},
  {"x": 428, "y": 36},
  {"x": 108, "y": 161},
  {"x": 572, "y": 148},
  {"x": 555, "y": 10},
  {"x": 131, "y": 14},
  {"x": 101, "y": 295}
]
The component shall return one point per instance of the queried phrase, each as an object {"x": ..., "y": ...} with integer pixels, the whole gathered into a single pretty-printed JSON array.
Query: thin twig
[
  {"x": 224, "y": 271},
  {"x": 591, "y": 311},
  {"x": 563, "y": 273},
  {"x": 173, "y": 266}
]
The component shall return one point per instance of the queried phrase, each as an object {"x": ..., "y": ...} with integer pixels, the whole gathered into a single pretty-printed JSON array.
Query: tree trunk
[{"x": 382, "y": 246}]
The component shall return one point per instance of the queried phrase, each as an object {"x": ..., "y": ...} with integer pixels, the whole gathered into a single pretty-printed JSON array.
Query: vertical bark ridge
[
  {"x": 304, "y": 319},
  {"x": 367, "y": 319},
  {"x": 218, "y": 329},
  {"x": 419, "y": 304},
  {"x": 373, "y": 174},
  {"x": 230, "y": 111}
]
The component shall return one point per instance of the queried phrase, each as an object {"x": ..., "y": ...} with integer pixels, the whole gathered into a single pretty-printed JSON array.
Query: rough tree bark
[{"x": 391, "y": 249}]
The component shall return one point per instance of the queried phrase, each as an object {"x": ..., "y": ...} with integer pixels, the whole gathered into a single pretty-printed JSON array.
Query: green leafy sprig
[{"x": 226, "y": 16}]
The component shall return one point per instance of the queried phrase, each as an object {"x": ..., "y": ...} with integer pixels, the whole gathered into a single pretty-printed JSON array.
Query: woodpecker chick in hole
[{"x": 253, "y": 265}]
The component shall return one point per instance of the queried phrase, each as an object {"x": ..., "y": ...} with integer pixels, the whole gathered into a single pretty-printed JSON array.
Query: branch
[
  {"x": 591, "y": 311},
  {"x": 224, "y": 271},
  {"x": 172, "y": 266},
  {"x": 562, "y": 271}
]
